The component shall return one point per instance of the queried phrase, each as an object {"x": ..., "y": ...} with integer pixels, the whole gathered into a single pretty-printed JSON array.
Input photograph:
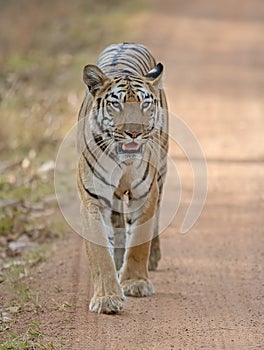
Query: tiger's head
[{"x": 125, "y": 108}]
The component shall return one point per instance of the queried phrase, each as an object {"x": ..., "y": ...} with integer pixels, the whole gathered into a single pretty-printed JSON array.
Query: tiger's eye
[
  {"x": 145, "y": 104},
  {"x": 116, "y": 105}
]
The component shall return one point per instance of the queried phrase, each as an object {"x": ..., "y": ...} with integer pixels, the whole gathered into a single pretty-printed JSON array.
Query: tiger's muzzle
[{"x": 132, "y": 144}]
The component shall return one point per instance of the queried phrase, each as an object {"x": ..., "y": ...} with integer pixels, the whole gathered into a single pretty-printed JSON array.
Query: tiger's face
[{"x": 125, "y": 109}]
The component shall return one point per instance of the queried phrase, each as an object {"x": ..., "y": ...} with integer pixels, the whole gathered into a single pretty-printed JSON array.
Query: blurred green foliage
[{"x": 44, "y": 45}]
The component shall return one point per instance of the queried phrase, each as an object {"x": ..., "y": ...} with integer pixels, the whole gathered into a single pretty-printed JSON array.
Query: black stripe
[
  {"x": 126, "y": 71},
  {"x": 122, "y": 90},
  {"x": 100, "y": 142},
  {"x": 99, "y": 103},
  {"x": 121, "y": 85},
  {"x": 164, "y": 167},
  {"x": 136, "y": 79},
  {"x": 142, "y": 159},
  {"x": 141, "y": 63},
  {"x": 144, "y": 54},
  {"x": 138, "y": 86},
  {"x": 95, "y": 118},
  {"x": 147, "y": 170},
  {"x": 89, "y": 150},
  {"x": 139, "y": 54},
  {"x": 107, "y": 202},
  {"x": 131, "y": 64},
  {"x": 117, "y": 80},
  {"x": 140, "y": 60},
  {"x": 96, "y": 173},
  {"x": 144, "y": 194},
  {"x": 103, "y": 113},
  {"x": 98, "y": 139},
  {"x": 145, "y": 174},
  {"x": 131, "y": 222},
  {"x": 110, "y": 154}
]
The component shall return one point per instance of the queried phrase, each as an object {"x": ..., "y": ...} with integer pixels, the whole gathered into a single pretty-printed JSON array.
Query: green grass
[
  {"x": 21, "y": 298},
  {"x": 42, "y": 57},
  {"x": 41, "y": 88},
  {"x": 30, "y": 340},
  {"x": 15, "y": 272},
  {"x": 44, "y": 47}
]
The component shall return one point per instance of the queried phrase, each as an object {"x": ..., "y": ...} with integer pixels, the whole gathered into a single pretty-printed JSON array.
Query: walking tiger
[{"x": 123, "y": 142}]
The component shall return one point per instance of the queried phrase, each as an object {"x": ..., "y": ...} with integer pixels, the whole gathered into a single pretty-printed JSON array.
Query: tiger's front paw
[
  {"x": 137, "y": 288},
  {"x": 108, "y": 304}
]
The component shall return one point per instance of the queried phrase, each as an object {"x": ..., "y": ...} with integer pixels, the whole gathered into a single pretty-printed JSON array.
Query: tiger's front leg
[
  {"x": 134, "y": 273},
  {"x": 108, "y": 296}
]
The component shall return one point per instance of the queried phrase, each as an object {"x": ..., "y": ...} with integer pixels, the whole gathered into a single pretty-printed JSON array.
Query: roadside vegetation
[{"x": 44, "y": 45}]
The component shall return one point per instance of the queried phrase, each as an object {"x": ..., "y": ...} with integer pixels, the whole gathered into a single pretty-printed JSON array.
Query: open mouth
[{"x": 130, "y": 147}]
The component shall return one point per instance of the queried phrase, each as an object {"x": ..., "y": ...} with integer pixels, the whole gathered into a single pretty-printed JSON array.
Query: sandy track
[{"x": 209, "y": 285}]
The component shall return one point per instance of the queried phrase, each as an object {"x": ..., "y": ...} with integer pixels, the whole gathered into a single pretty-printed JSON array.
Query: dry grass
[{"x": 44, "y": 45}]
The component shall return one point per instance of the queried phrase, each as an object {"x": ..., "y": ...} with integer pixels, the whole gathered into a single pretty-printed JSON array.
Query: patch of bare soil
[{"x": 209, "y": 284}]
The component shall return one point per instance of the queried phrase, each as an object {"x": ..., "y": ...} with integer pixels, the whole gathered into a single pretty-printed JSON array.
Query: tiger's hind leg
[
  {"x": 155, "y": 254},
  {"x": 155, "y": 251},
  {"x": 134, "y": 275}
]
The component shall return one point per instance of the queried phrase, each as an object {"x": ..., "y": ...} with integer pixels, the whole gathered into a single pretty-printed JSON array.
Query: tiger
[{"x": 123, "y": 144}]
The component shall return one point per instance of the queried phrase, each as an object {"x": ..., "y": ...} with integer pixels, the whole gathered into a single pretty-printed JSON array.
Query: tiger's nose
[{"x": 134, "y": 134}]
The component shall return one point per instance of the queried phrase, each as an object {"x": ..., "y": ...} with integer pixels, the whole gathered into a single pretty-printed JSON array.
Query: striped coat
[{"x": 123, "y": 142}]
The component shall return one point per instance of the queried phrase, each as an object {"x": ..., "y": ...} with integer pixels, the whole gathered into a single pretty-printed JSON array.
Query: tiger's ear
[
  {"x": 155, "y": 75},
  {"x": 94, "y": 78}
]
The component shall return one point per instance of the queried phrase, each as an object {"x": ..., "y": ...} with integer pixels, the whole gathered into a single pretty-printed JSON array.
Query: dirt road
[{"x": 209, "y": 285}]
